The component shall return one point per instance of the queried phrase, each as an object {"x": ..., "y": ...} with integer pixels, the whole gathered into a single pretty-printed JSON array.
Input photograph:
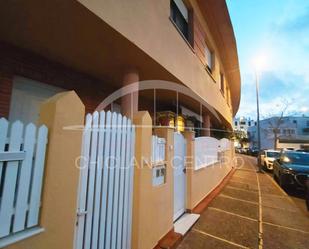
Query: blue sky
[{"x": 278, "y": 32}]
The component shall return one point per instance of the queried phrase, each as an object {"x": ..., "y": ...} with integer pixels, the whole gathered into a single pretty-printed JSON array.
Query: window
[
  {"x": 243, "y": 122},
  {"x": 249, "y": 123},
  {"x": 209, "y": 56},
  {"x": 180, "y": 16},
  {"x": 235, "y": 123},
  {"x": 222, "y": 82},
  {"x": 295, "y": 121},
  {"x": 307, "y": 123},
  {"x": 30, "y": 94}
]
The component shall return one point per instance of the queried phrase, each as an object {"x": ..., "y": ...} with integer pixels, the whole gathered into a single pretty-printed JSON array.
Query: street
[{"x": 251, "y": 212}]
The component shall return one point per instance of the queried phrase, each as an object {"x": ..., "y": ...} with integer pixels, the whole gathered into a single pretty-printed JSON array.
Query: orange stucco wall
[{"x": 142, "y": 22}]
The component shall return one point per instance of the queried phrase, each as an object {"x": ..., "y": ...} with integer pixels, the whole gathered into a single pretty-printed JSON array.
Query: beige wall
[
  {"x": 201, "y": 182},
  {"x": 114, "y": 35},
  {"x": 143, "y": 21},
  {"x": 59, "y": 195}
]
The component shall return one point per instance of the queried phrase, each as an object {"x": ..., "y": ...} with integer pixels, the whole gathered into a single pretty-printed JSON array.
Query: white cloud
[{"x": 286, "y": 46}]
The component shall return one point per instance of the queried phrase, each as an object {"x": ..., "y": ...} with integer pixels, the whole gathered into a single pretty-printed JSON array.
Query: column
[
  {"x": 129, "y": 102},
  {"x": 206, "y": 125}
]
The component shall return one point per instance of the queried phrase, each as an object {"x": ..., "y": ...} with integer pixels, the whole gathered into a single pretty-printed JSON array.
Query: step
[{"x": 185, "y": 222}]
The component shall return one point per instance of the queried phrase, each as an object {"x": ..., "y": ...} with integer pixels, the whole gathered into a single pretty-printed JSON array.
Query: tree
[
  {"x": 241, "y": 137},
  {"x": 276, "y": 121}
]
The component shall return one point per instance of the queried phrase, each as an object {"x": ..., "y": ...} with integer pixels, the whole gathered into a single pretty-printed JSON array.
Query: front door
[{"x": 179, "y": 175}]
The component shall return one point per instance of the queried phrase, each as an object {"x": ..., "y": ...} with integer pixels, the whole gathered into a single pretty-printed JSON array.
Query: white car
[{"x": 268, "y": 157}]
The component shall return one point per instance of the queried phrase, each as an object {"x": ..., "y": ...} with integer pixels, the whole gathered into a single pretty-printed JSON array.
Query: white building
[
  {"x": 243, "y": 123},
  {"x": 292, "y": 132},
  {"x": 240, "y": 126}
]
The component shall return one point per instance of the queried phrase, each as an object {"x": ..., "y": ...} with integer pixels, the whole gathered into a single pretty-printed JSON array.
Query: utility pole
[{"x": 258, "y": 121}]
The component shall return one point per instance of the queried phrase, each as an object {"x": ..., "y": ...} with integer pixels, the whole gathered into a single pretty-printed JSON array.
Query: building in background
[
  {"x": 240, "y": 127},
  {"x": 279, "y": 133}
]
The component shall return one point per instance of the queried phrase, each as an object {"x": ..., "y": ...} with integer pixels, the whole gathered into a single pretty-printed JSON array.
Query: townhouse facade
[{"x": 174, "y": 68}]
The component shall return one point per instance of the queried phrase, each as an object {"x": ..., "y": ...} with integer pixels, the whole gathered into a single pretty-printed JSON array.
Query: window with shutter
[{"x": 180, "y": 16}]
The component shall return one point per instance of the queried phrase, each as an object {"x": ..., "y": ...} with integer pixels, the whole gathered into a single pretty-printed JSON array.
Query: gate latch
[{"x": 81, "y": 213}]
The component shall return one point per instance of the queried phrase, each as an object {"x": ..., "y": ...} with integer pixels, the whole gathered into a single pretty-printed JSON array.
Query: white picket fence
[
  {"x": 104, "y": 215},
  {"x": 158, "y": 150},
  {"x": 22, "y": 156},
  {"x": 207, "y": 150}
]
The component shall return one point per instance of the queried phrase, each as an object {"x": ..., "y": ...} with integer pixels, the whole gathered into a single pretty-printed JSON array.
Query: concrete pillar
[
  {"x": 129, "y": 102},
  {"x": 142, "y": 205},
  {"x": 165, "y": 193},
  {"x": 206, "y": 125},
  {"x": 152, "y": 205},
  {"x": 61, "y": 176}
]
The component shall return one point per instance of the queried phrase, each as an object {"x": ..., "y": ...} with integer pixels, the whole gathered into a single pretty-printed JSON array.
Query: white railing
[
  {"x": 224, "y": 144},
  {"x": 105, "y": 196},
  {"x": 22, "y": 156},
  {"x": 207, "y": 150}
]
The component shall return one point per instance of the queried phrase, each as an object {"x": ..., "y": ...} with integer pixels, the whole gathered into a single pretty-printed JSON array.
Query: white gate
[
  {"x": 104, "y": 214},
  {"x": 22, "y": 156},
  {"x": 179, "y": 175}
]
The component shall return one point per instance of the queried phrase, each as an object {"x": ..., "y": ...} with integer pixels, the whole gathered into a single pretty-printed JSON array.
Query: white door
[
  {"x": 27, "y": 96},
  {"x": 179, "y": 175},
  {"x": 105, "y": 193}
]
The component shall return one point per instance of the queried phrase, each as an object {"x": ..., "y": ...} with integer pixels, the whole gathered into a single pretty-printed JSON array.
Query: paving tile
[
  {"x": 247, "y": 168},
  {"x": 235, "y": 206},
  {"x": 245, "y": 173},
  {"x": 276, "y": 209},
  {"x": 244, "y": 186},
  {"x": 232, "y": 228},
  {"x": 279, "y": 202},
  {"x": 270, "y": 190},
  {"x": 241, "y": 194},
  {"x": 195, "y": 240},
  {"x": 266, "y": 180},
  {"x": 286, "y": 218},
  {"x": 249, "y": 180},
  {"x": 281, "y": 238}
]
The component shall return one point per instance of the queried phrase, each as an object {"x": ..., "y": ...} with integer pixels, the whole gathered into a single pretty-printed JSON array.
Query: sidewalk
[{"x": 251, "y": 206}]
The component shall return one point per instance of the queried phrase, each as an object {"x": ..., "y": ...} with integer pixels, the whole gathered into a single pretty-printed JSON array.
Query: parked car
[
  {"x": 291, "y": 169},
  {"x": 253, "y": 152},
  {"x": 268, "y": 157}
]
